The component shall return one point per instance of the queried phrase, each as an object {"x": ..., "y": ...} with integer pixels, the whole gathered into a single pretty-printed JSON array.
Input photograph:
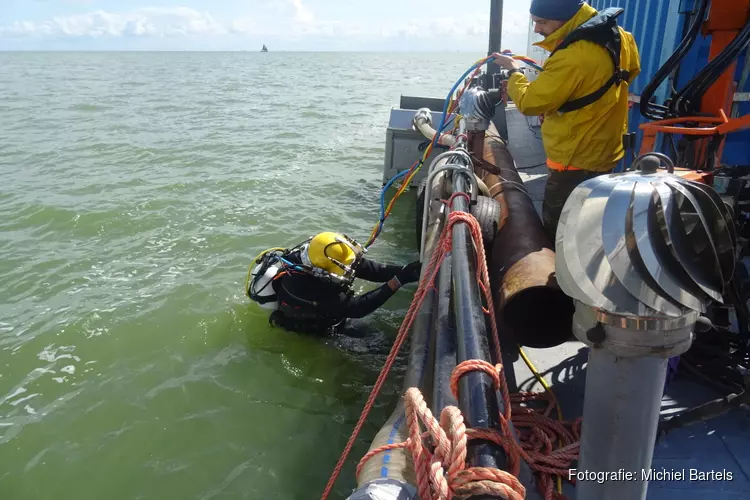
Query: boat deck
[{"x": 717, "y": 445}]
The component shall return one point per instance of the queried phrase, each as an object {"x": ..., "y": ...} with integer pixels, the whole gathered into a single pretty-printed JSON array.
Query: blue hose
[
  {"x": 435, "y": 139},
  {"x": 290, "y": 264},
  {"x": 444, "y": 123},
  {"x": 382, "y": 202},
  {"x": 532, "y": 64},
  {"x": 385, "y": 188}
]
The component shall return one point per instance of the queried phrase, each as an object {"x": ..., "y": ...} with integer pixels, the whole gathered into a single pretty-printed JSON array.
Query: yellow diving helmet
[{"x": 333, "y": 252}]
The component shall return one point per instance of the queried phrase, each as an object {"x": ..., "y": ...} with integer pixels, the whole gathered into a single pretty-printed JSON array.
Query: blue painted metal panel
[
  {"x": 658, "y": 27},
  {"x": 737, "y": 150}
]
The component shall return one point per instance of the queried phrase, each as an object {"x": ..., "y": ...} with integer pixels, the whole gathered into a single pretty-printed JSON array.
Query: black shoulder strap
[{"x": 602, "y": 30}]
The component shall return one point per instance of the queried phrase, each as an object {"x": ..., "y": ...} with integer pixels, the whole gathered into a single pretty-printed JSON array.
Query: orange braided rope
[
  {"x": 442, "y": 474},
  {"x": 428, "y": 279}
]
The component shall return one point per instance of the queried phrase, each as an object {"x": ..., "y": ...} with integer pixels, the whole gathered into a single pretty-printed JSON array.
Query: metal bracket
[{"x": 428, "y": 189}]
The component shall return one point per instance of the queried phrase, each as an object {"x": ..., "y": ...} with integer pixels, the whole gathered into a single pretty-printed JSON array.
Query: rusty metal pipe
[
  {"x": 528, "y": 302},
  {"x": 492, "y": 182}
]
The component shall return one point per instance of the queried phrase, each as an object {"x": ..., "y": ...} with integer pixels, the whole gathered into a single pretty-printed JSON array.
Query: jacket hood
[{"x": 585, "y": 13}]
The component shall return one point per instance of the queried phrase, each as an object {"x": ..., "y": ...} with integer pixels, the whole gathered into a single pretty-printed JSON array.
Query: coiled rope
[{"x": 440, "y": 461}]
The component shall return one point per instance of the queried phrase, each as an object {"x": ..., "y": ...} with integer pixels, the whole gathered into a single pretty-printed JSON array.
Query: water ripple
[{"x": 134, "y": 189}]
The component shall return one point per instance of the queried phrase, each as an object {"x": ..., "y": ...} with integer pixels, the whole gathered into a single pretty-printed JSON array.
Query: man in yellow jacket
[{"x": 581, "y": 94}]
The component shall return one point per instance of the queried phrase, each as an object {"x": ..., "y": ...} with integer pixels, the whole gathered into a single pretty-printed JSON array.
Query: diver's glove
[{"x": 410, "y": 272}]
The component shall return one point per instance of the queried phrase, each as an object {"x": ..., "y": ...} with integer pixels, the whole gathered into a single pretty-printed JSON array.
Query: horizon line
[{"x": 416, "y": 51}]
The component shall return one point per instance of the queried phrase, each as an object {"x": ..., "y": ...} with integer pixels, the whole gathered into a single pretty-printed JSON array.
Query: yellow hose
[{"x": 547, "y": 388}]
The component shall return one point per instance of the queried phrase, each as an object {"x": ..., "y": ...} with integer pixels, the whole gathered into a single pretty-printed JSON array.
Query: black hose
[
  {"x": 717, "y": 358},
  {"x": 706, "y": 411},
  {"x": 658, "y": 111},
  {"x": 687, "y": 101},
  {"x": 741, "y": 310},
  {"x": 444, "y": 344}
]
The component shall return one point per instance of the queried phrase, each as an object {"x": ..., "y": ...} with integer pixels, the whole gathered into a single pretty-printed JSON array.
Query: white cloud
[
  {"x": 284, "y": 21},
  {"x": 516, "y": 22},
  {"x": 451, "y": 27},
  {"x": 243, "y": 26},
  {"x": 301, "y": 13},
  {"x": 149, "y": 21}
]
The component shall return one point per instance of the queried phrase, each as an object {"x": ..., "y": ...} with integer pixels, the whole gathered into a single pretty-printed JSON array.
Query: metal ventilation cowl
[{"x": 646, "y": 243}]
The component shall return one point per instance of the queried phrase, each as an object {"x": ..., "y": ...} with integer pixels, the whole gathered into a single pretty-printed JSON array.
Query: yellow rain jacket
[{"x": 589, "y": 138}]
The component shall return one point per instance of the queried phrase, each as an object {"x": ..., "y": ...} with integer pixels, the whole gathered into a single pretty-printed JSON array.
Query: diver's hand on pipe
[{"x": 410, "y": 272}]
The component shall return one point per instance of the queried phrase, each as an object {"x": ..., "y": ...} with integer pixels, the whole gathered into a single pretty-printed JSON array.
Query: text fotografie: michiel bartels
[{"x": 651, "y": 475}]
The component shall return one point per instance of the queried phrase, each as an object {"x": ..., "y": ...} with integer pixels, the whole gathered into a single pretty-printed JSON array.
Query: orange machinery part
[
  {"x": 695, "y": 175},
  {"x": 726, "y": 19}
]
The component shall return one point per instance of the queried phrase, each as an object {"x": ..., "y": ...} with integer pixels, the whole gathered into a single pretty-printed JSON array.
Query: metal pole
[
  {"x": 495, "y": 45},
  {"x": 619, "y": 435},
  {"x": 625, "y": 378},
  {"x": 496, "y": 26}
]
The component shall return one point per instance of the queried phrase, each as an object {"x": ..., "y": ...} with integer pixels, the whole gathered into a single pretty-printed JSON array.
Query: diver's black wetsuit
[{"x": 311, "y": 305}]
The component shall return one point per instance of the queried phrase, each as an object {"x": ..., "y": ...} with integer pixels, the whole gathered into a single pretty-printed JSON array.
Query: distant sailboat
[{"x": 264, "y": 49}]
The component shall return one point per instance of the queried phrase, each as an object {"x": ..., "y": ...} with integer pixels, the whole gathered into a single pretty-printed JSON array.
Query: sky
[{"x": 314, "y": 25}]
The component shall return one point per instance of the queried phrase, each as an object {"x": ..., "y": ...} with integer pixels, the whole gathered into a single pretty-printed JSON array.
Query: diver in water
[{"x": 309, "y": 287}]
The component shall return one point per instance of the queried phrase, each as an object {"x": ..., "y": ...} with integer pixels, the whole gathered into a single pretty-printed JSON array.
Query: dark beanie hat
[{"x": 555, "y": 10}]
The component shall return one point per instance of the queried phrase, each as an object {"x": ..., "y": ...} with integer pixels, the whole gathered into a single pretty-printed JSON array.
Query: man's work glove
[{"x": 410, "y": 272}]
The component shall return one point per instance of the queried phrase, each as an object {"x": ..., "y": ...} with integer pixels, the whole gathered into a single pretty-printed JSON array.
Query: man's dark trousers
[{"x": 559, "y": 186}]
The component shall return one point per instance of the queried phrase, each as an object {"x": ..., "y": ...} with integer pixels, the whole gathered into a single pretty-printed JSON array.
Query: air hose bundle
[
  {"x": 658, "y": 111},
  {"x": 686, "y": 102},
  {"x": 449, "y": 108},
  {"x": 719, "y": 359}
]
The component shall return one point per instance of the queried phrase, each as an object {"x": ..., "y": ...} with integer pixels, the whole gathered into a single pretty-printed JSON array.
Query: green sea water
[{"x": 135, "y": 188}]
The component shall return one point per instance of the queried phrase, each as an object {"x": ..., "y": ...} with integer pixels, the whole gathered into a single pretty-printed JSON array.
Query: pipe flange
[
  {"x": 643, "y": 324},
  {"x": 630, "y": 337}
]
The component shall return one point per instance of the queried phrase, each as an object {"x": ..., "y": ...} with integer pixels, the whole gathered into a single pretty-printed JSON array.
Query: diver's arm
[
  {"x": 360, "y": 306},
  {"x": 373, "y": 271}
]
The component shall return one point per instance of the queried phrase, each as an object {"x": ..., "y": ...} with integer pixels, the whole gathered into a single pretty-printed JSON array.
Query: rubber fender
[
  {"x": 487, "y": 212},
  {"x": 420, "y": 210}
]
